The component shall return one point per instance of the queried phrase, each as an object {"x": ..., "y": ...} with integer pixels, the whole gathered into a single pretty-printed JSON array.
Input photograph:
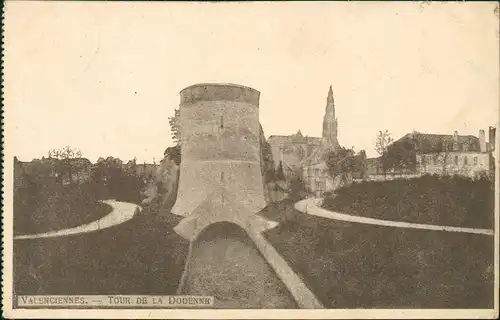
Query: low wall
[
  {"x": 302, "y": 295},
  {"x": 381, "y": 177}
]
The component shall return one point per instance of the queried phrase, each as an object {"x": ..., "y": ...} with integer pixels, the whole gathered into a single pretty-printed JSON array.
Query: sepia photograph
[{"x": 308, "y": 160}]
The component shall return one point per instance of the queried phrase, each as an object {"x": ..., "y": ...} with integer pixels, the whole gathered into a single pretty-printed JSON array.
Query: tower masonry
[{"x": 220, "y": 174}]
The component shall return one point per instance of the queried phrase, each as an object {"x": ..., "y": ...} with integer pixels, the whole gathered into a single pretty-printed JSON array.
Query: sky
[{"x": 105, "y": 77}]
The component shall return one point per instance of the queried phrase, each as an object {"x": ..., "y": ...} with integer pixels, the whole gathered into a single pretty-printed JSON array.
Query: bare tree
[
  {"x": 382, "y": 143},
  {"x": 66, "y": 155}
]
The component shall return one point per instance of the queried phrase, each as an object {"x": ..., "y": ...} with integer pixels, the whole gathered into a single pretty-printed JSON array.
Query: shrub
[
  {"x": 41, "y": 207},
  {"x": 297, "y": 189},
  {"x": 448, "y": 200},
  {"x": 354, "y": 265}
]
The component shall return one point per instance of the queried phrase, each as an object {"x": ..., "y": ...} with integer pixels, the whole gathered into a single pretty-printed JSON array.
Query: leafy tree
[
  {"x": 297, "y": 189},
  {"x": 401, "y": 156},
  {"x": 280, "y": 174},
  {"x": 175, "y": 128},
  {"x": 341, "y": 163},
  {"x": 360, "y": 163},
  {"x": 173, "y": 153}
]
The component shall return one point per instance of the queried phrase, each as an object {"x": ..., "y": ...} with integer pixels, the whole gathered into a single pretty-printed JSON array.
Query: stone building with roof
[
  {"x": 304, "y": 156},
  {"x": 442, "y": 154}
]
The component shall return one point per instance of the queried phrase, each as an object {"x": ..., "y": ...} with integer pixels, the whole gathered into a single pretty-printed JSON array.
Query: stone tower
[
  {"x": 220, "y": 172},
  {"x": 330, "y": 122}
]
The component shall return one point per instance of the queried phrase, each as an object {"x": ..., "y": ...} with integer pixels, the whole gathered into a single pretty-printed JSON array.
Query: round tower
[{"x": 220, "y": 148}]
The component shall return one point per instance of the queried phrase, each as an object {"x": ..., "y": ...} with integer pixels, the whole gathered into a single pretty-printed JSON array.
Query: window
[
  {"x": 456, "y": 159},
  {"x": 475, "y": 161},
  {"x": 465, "y": 160},
  {"x": 434, "y": 160},
  {"x": 320, "y": 186}
]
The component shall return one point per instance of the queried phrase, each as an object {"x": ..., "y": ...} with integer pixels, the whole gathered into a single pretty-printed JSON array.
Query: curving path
[
  {"x": 122, "y": 212},
  {"x": 311, "y": 206}
]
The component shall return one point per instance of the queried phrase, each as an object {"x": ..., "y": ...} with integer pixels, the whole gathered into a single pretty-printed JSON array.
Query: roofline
[
  {"x": 433, "y": 134},
  {"x": 219, "y": 85}
]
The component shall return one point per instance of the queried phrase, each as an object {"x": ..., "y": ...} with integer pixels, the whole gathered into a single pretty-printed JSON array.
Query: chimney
[
  {"x": 482, "y": 141},
  {"x": 455, "y": 146},
  {"x": 492, "y": 138}
]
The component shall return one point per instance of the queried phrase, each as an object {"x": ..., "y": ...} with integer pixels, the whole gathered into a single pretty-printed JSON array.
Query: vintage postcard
[{"x": 211, "y": 160}]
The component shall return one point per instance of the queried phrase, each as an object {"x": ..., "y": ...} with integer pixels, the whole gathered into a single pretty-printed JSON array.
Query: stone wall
[
  {"x": 463, "y": 163},
  {"x": 168, "y": 175},
  {"x": 317, "y": 180},
  {"x": 291, "y": 153}
]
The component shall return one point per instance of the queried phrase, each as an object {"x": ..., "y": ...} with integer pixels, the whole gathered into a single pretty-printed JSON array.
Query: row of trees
[
  {"x": 111, "y": 180},
  {"x": 108, "y": 178},
  {"x": 65, "y": 164}
]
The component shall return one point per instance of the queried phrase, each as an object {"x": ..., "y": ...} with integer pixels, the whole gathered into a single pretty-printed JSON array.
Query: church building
[{"x": 302, "y": 155}]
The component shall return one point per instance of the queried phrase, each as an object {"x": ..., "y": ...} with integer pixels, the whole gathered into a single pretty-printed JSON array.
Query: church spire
[
  {"x": 330, "y": 95},
  {"x": 330, "y": 105},
  {"x": 329, "y": 121}
]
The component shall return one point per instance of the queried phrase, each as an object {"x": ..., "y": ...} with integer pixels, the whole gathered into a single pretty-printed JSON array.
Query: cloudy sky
[{"x": 105, "y": 77}]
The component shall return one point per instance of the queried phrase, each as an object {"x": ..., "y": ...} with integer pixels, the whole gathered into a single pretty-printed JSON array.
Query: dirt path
[
  {"x": 311, "y": 206},
  {"x": 122, "y": 212},
  {"x": 230, "y": 268}
]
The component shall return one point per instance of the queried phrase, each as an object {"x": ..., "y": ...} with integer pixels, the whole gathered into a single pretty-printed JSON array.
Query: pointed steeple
[
  {"x": 330, "y": 95},
  {"x": 298, "y": 136},
  {"x": 330, "y": 105},
  {"x": 330, "y": 121}
]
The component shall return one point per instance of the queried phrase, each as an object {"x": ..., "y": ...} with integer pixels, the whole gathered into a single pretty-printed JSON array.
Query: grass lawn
[
  {"x": 141, "y": 256},
  {"x": 451, "y": 201},
  {"x": 56, "y": 207},
  {"x": 349, "y": 265}
]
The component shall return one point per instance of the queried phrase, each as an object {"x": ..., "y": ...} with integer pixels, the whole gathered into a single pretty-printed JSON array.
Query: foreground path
[
  {"x": 311, "y": 206},
  {"x": 122, "y": 212},
  {"x": 227, "y": 265}
]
